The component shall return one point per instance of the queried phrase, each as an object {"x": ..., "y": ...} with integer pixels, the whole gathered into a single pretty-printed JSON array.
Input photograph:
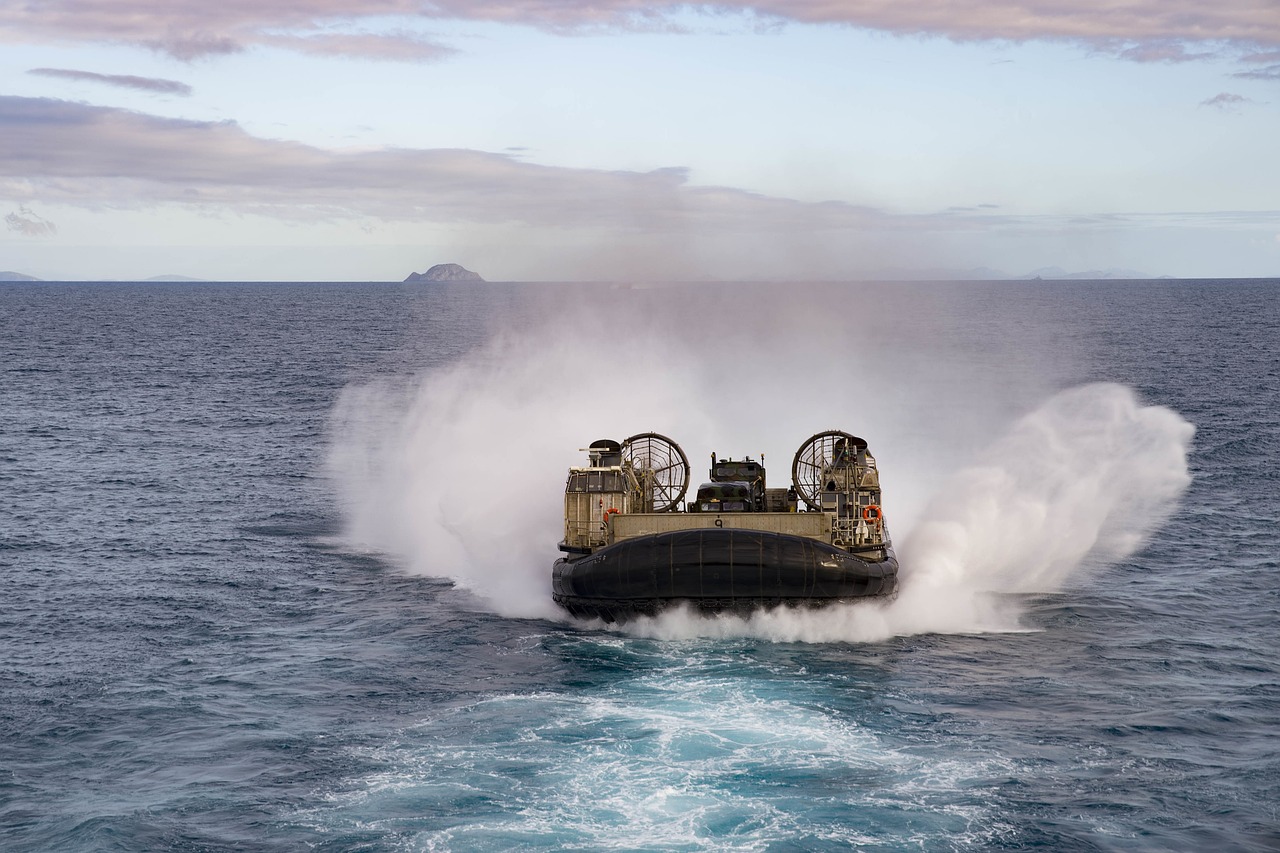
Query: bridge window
[{"x": 595, "y": 481}]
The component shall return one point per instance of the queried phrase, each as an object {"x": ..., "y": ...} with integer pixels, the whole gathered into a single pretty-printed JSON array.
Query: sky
[{"x": 311, "y": 140}]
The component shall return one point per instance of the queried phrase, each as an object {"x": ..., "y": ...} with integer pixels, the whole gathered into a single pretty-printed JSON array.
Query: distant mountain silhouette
[
  {"x": 1092, "y": 275},
  {"x": 445, "y": 272}
]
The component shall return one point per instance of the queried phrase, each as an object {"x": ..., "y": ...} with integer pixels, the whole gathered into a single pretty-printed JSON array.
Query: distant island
[
  {"x": 16, "y": 276},
  {"x": 989, "y": 274},
  {"x": 445, "y": 272},
  {"x": 1059, "y": 274}
]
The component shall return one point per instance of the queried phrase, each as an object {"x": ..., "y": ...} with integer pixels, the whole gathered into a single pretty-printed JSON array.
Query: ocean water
[{"x": 274, "y": 567}]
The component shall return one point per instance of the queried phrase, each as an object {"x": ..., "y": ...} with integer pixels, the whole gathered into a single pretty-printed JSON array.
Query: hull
[{"x": 716, "y": 570}]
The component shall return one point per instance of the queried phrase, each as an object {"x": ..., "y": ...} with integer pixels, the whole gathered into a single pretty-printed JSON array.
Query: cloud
[
  {"x": 29, "y": 224},
  {"x": 400, "y": 47},
  {"x": 1270, "y": 73},
  {"x": 1225, "y": 101},
  {"x": 1161, "y": 50},
  {"x": 1146, "y": 30},
  {"x": 189, "y": 46},
  {"x": 149, "y": 160},
  {"x": 655, "y": 223},
  {"x": 128, "y": 81},
  {"x": 62, "y": 152},
  {"x": 971, "y": 208}
]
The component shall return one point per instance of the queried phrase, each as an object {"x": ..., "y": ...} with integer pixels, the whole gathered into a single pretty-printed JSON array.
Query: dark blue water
[{"x": 198, "y": 652}]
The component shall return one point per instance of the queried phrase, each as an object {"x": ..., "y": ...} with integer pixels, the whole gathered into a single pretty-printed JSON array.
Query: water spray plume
[
  {"x": 1081, "y": 482},
  {"x": 460, "y": 474}
]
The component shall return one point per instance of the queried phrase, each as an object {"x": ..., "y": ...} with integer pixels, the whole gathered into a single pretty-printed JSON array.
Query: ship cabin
[{"x": 607, "y": 485}]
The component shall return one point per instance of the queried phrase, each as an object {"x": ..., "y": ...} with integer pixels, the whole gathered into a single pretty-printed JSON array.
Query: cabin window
[{"x": 595, "y": 481}]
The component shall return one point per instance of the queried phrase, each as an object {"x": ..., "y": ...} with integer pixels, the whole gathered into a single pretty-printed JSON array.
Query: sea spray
[
  {"x": 1090, "y": 474},
  {"x": 458, "y": 472},
  {"x": 1082, "y": 481}
]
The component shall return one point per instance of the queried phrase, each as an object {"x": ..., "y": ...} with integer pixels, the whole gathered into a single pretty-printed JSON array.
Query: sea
[{"x": 275, "y": 563}]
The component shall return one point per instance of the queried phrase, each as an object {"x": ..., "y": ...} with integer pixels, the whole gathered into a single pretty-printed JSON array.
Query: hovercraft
[{"x": 633, "y": 546}]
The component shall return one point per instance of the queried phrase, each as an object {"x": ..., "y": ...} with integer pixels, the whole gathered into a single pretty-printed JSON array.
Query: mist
[{"x": 999, "y": 474}]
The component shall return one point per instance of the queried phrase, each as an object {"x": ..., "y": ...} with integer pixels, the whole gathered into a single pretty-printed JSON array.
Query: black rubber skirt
[{"x": 715, "y": 570}]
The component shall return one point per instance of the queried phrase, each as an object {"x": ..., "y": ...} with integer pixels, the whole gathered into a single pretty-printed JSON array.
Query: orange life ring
[
  {"x": 866, "y": 512},
  {"x": 611, "y": 511}
]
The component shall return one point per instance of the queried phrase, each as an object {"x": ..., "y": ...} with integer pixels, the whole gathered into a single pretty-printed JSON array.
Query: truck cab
[
  {"x": 724, "y": 497},
  {"x": 736, "y": 486}
]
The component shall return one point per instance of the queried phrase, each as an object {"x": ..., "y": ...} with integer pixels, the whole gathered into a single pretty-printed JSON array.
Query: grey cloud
[
  {"x": 62, "y": 152},
  {"x": 58, "y": 152},
  {"x": 29, "y": 224},
  {"x": 193, "y": 46},
  {"x": 1224, "y": 100},
  {"x": 128, "y": 81},
  {"x": 1148, "y": 29},
  {"x": 1161, "y": 51},
  {"x": 1271, "y": 73},
  {"x": 1252, "y": 21},
  {"x": 393, "y": 48}
]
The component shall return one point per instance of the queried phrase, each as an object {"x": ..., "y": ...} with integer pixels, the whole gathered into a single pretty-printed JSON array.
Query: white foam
[{"x": 673, "y": 757}]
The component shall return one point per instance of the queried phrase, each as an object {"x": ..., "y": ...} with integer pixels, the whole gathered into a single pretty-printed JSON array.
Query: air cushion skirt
[{"x": 716, "y": 570}]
